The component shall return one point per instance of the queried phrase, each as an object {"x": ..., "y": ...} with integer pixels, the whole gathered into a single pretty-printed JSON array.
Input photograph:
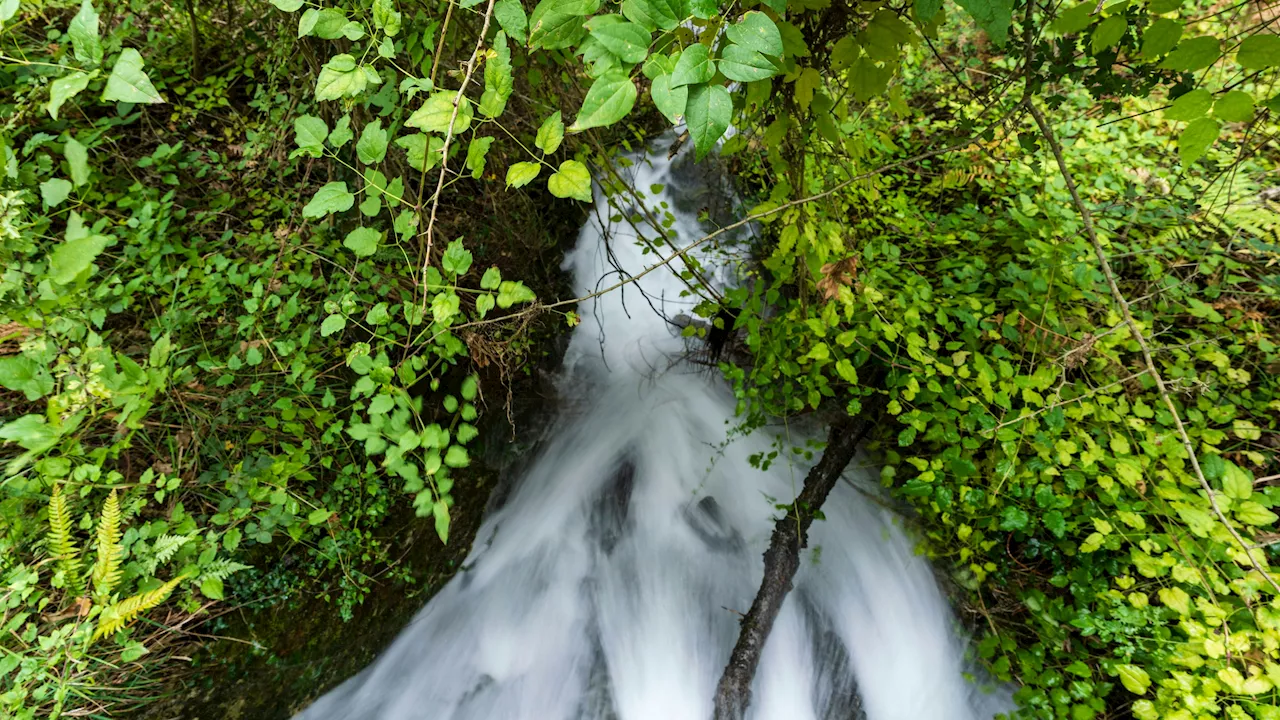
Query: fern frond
[
  {"x": 61, "y": 546},
  {"x": 126, "y": 611},
  {"x": 221, "y": 569},
  {"x": 106, "y": 571},
  {"x": 166, "y": 546}
]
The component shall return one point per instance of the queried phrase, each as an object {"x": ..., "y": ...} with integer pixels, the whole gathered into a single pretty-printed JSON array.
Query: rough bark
[{"x": 781, "y": 561}]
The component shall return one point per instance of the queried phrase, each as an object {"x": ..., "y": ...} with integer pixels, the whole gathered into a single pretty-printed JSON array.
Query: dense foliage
[{"x": 255, "y": 257}]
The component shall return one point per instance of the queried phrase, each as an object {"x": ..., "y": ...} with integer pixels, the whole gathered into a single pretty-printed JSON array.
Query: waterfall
[{"x": 610, "y": 583}]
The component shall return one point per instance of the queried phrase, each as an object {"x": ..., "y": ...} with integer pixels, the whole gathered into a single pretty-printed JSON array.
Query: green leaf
[
  {"x": 572, "y": 180},
  {"x": 694, "y": 66},
  {"x": 498, "y": 82},
  {"x": 128, "y": 82},
  {"x": 386, "y": 17},
  {"x": 739, "y": 63},
  {"x": 1014, "y": 518},
  {"x": 793, "y": 44},
  {"x": 557, "y": 24},
  {"x": 1259, "y": 51},
  {"x": 65, "y": 88},
  {"x": 1235, "y": 106},
  {"x": 512, "y": 292},
  {"x": 806, "y": 84},
  {"x": 1177, "y": 599},
  {"x": 655, "y": 14},
  {"x": 319, "y": 515},
  {"x": 288, "y": 5},
  {"x": 609, "y": 100},
  {"x": 884, "y": 35},
  {"x": 436, "y": 113},
  {"x": 84, "y": 35},
  {"x": 211, "y": 587},
  {"x": 339, "y": 78},
  {"x": 54, "y": 191},
  {"x": 925, "y": 9},
  {"x": 309, "y": 133},
  {"x": 994, "y": 16},
  {"x": 1134, "y": 678},
  {"x": 372, "y": 146},
  {"x": 423, "y": 150},
  {"x": 522, "y": 173},
  {"x": 333, "y": 324},
  {"x": 331, "y": 198},
  {"x": 362, "y": 241},
  {"x": 24, "y": 375},
  {"x": 670, "y": 101},
  {"x": 1108, "y": 33},
  {"x": 476, "y": 151},
  {"x": 1055, "y": 523},
  {"x": 1236, "y": 483},
  {"x": 1196, "y": 139},
  {"x": 706, "y": 9},
  {"x": 78, "y": 160},
  {"x": 490, "y": 281},
  {"x": 441, "y": 512},
  {"x": 550, "y": 134},
  {"x": 8, "y": 8},
  {"x": 627, "y": 40},
  {"x": 329, "y": 23},
  {"x": 1193, "y": 54},
  {"x": 74, "y": 256},
  {"x": 707, "y": 115},
  {"x": 1190, "y": 106},
  {"x": 341, "y": 134},
  {"x": 1253, "y": 513},
  {"x": 1075, "y": 19},
  {"x": 457, "y": 258},
  {"x": 1161, "y": 37},
  {"x": 510, "y": 15},
  {"x": 756, "y": 32}
]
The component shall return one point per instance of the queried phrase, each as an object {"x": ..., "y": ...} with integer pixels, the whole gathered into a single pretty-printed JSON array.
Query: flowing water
[{"x": 610, "y": 582}]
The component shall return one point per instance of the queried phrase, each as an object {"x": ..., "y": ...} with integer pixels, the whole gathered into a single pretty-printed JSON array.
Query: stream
[{"x": 611, "y": 581}]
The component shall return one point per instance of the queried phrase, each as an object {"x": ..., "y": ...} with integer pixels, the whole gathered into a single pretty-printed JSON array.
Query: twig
[{"x": 1086, "y": 219}]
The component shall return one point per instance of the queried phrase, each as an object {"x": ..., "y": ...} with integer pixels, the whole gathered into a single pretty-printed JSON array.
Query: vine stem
[
  {"x": 1087, "y": 219},
  {"x": 448, "y": 137}
]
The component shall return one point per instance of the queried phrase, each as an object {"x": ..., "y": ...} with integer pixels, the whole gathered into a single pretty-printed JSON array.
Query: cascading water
[{"x": 609, "y": 584}]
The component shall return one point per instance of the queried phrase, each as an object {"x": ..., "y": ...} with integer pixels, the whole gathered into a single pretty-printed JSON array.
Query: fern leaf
[
  {"x": 126, "y": 611},
  {"x": 221, "y": 569},
  {"x": 166, "y": 546},
  {"x": 61, "y": 546},
  {"x": 106, "y": 571}
]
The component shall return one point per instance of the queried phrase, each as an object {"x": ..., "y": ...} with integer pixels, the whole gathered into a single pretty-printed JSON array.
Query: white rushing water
[{"x": 610, "y": 582}]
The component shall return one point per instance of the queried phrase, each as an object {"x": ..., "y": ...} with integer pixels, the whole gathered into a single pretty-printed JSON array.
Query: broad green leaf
[
  {"x": 1014, "y": 518},
  {"x": 386, "y": 17},
  {"x": 793, "y": 44},
  {"x": 609, "y": 100},
  {"x": 372, "y": 146},
  {"x": 24, "y": 375},
  {"x": 807, "y": 83},
  {"x": 694, "y": 66},
  {"x": 329, "y": 23},
  {"x": 78, "y": 160},
  {"x": 756, "y": 32},
  {"x": 128, "y": 82},
  {"x": 704, "y": 9},
  {"x": 423, "y": 150},
  {"x": 1161, "y": 37},
  {"x": 1235, "y": 106},
  {"x": 339, "y": 78},
  {"x": 307, "y": 21},
  {"x": 993, "y": 16},
  {"x": 744, "y": 65},
  {"x": 484, "y": 304},
  {"x": 1134, "y": 678},
  {"x": 333, "y": 324},
  {"x": 211, "y": 587},
  {"x": 65, "y": 88},
  {"x": 320, "y": 515},
  {"x": 513, "y": 292},
  {"x": 436, "y": 113},
  {"x": 72, "y": 257},
  {"x": 707, "y": 115},
  {"x": 522, "y": 173},
  {"x": 476, "y": 152},
  {"x": 572, "y": 180},
  {"x": 845, "y": 53},
  {"x": 1193, "y": 54},
  {"x": 1236, "y": 483},
  {"x": 550, "y": 134},
  {"x": 1177, "y": 599},
  {"x": 1074, "y": 19},
  {"x": 557, "y": 24},
  {"x": 885, "y": 35},
  {"x": 492, "y": 277},
  {"x": 868, "y": 79},
  {"x": 341, "y": 134},
  {"x": 510, "y": 15},
  {"x": 309, "y": 133},
  {"x": 1259, "y": 51},
  {"x": 54, "y": 191},
  {"x": 670, "y": 101},
  {"x": 288, "y": 5},
  {"x": 440, "y": 510},
  {"x": 1108, "y": 33},
  {"x": 1196, "y": 139},
  {"x": 1250, "y": 512},
  {"x": 655, "y": 14},
  {"x": 457, "y": 258},
  {"x": 497, "y": 78},
  {"x": 332, "y": 198},
  {"x": 8, "y": 8},
  {"x": 84, "y": 35},
  {"x": 627, "y": 40},
  {"x": 1190, "y": 106},
  {"x": 362, "y": 241}
]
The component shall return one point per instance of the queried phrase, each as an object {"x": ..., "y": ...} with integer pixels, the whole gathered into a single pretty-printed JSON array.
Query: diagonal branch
[{"x": 1087, "y": 219}]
